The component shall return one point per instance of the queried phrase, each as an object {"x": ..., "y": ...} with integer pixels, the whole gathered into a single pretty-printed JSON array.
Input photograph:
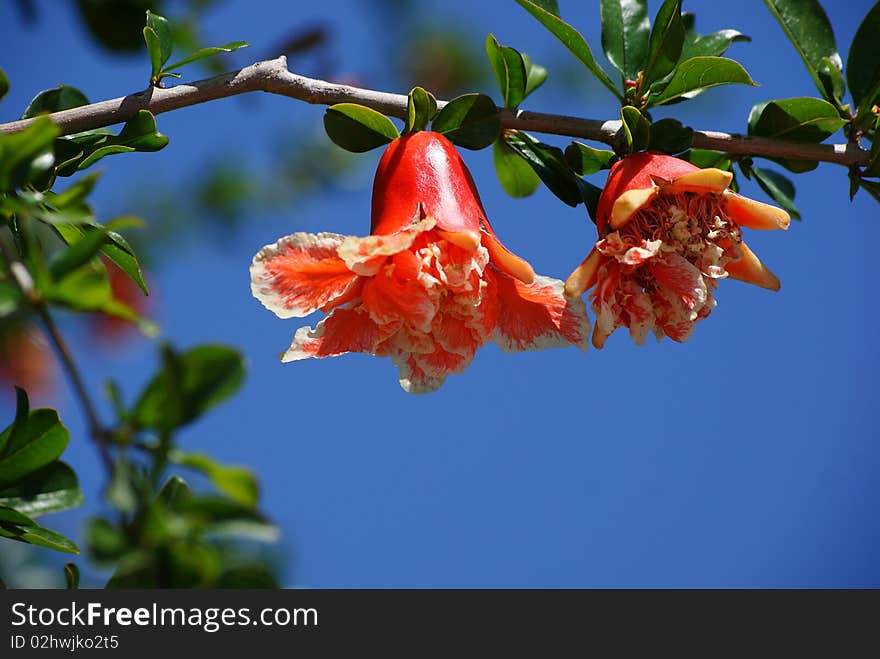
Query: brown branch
[{"x": 273, "y": 77}]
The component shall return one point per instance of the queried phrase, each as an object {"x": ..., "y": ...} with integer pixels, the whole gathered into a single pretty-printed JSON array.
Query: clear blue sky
[{"x": 746, "y": 457}]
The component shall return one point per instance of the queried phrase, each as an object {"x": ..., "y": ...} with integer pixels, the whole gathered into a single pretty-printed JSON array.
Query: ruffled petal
[
  {"x": 395, "y": 295},
  {"x": 344, "y": 330},
  {"x": 365, "y": 256},
  {"x": 536, "y": 316},
  {"x": 679, "y": 275},
  {"x": 300, "y": 273}
]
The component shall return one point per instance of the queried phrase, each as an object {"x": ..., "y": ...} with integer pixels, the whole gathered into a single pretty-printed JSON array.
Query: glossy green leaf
[
  {"x": 71, "y": 576},
  {"x": 27, "y": 154},
  {"x": 188, "y": 385},
  {"x": 238, "y": 483},
  {"x": 807, "y": 27},
  {"x": 4, "y": 84},
  {"x": 590, "y": 195},
  {"x": 154, "y": 50},
  {"x": 704, "y": 158},
  {"x": 515, "y": 175},
  {"x": 665, "y": 44},
  {"x": 779, "y": 188},
  {"x": 570, "y": 38},
  {"x": 585, "y": 160},
  {"x": 535, "y": 75},
  {"x": 174, "y": 491},
  {"x": 78, "y": 253},
  {"x": 39, "y": 536},
  {"x": 871, "y": 187},
  {"x": 138, "y": 134},
  {"x": 873, "y": 166},
  {"x": 115, "y": 248},
  {"x": 625, "y": 32},
  {"x": 30, "y": 444},
  {"x": 549, "y": 164},
  {"x": 9, "y": 515},
  {"x": 202, "y": 53},
  {"x": 75, "y": 193},
  {"x": 670, "y": 136},
  {"x": 700, "y": 73},
  {"x": 470, "y": 121},
  {"x": 62, "y": 97},
  {"x": 358, "y": 128},
  {"x": 635, "y": 128},
  {"x": 162, "y": 29},
  {"x": 708, "y": 45},
  {"x": 832, "y": 81},
  {"x": 88, "y": 289},
  {"x": 47, "y": 490},
  {"x": 863, "y": 63},
  {"x": 421, "y": 107},
  {"x": 510, "y": 71},
  {"x": 802, "y": 118}
]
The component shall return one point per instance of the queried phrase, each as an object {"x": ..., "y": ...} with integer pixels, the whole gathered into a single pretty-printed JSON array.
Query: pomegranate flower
[
  {"x": 430, "y": 285},
  {"x": 668, "y": 231}
]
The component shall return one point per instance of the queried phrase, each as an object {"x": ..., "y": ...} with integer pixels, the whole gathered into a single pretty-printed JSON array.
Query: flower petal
[
  {"x": 344, "y": 330},
  {"x": 397, "y": 294},
  {"x": 630, "y": 202},
  {"x": 754, "y": 214},
  {"x": 365, "y": 256},
  {"x": 583, "y": 278},
  {"x": 507, "y": 261},
  {"x": 750, "y": 270},
  {"x": 678, "y": 275},
  {"x": 536, "y": 316},
  {"x": 702, "y": 180},
  {"x": 300, "y": 273}
]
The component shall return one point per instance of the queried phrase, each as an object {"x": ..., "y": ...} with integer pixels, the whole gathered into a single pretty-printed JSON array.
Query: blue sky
[{"x": 746, "y": 457}]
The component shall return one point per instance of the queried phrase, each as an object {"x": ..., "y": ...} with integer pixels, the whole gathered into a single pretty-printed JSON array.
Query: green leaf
[
  {"x": 670, "y": 136},
  {"x": 358, "y": 128},
  {"x": 711, "y": 45},
  {"x": 515, "y": 175},
  {"x": 590, "y": 194},
  {"x": 223, "y": 517},
  {"x": 4, "y": 84},
  {"x": 154, "y": 50},
  {"x": 62, "y": 97},
  {"x": 549, "y": 164},
  {"x": 803, "y": 118},
  {"x": 665, "y": 44},
  {"x": 832, "y": 82},
  {"x": 625, "y": 30},
  {"x": 116, "y": 249},
  {"x": 162, "y": 29},
  {"x": 104, "y": 540},
  {"x": 39, "y": 536},
  {"x": 570, "y": 38},
  {"x": 47, "y": 490},
  {"x": 80, "y": 252},
  {"x": 238, "y": 483},
  {"x": 27, "y": 154},
  {"x": 9, "y": 515},
  {"x": 138, "y": 134},
  {"x": 470, "y": 121},
  {"x": 420, "y": 109},
  {"x": 10, "y": 299},
  {"x": 207, "y": 52},
  {"x": 188, "y": 385},
  {"x": 31, "y": 445},
  {"x": 510, "y": 71},
  {"x": 75, "y": 193},
  {"x": 88, "y": 289},
  {"x": 635, "y": 127},
  {"x": 807, "y": 27},
  {"x": 174, "y": 491},
  {"x": 705, "y": 158},
  {"x": 779, "y": 188},
  {"x": 873, "y": 166},
  {"x": 585, "y": 160},
  {"x": 863, "y": 63},
  {"x": 535, "y": 75},
  {"x": 700, "y": 73},
  {"x": 71, "y": 576}
]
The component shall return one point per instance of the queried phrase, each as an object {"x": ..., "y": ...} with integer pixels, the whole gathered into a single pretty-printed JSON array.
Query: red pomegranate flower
[
  {"x": 668, "y": 231},
  {"x": 430, "y": 285}
]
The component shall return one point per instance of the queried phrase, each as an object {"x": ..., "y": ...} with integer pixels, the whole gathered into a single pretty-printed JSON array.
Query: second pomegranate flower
[{"x": 668, "y": 231}]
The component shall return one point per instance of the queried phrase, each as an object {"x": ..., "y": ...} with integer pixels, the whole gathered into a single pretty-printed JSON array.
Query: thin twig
[
  {"x": 273, "y": 77},
  {"x": 25, "y": 283}
]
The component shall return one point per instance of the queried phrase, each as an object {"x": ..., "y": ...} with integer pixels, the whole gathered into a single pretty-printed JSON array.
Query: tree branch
[{"x": 273, "y": 77}]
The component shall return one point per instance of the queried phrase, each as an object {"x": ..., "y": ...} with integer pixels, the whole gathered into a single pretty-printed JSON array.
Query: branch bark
[{"x": 273, "y": 77}]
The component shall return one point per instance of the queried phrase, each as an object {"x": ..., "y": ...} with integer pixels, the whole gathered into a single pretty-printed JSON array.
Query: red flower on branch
[
  {"x": 668, "y": 231},
  {"x": 430, "y": 285}
]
